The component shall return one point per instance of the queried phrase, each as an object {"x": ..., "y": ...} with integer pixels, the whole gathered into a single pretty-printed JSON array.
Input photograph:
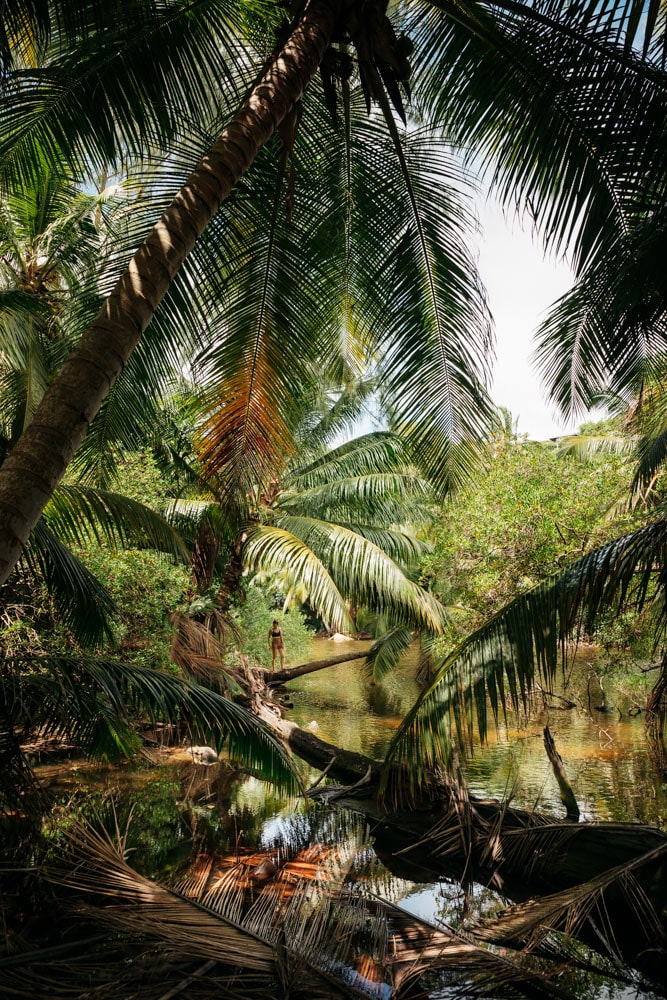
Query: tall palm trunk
[{"x": 38, "y": 461}]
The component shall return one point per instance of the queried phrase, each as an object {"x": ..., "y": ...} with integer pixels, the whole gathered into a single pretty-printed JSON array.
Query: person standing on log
[{"x": 276, "y": 644}]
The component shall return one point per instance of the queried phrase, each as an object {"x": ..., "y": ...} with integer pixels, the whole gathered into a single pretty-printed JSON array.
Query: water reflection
[
  {"x": 606, "y": 756},
  {"x": 184, "y": 813}
]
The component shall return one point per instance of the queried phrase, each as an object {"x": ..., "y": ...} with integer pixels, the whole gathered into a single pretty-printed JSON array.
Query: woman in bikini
[{"x": 276, "y": 644}]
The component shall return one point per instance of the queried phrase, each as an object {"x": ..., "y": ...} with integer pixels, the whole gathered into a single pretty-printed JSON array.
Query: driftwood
[
  {"x": 567, "y": 795},
  {"x": 452, "y": 834}
]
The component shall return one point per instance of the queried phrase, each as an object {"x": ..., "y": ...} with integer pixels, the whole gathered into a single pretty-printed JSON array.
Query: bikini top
[{"x": 276, "y": 635}]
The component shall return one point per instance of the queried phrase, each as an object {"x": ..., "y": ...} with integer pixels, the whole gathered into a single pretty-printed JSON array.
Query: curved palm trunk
[{"x": 38, "y": 461}]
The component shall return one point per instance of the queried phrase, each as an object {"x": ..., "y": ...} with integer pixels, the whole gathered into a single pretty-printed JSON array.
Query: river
[{"x": 179, "y": 815}]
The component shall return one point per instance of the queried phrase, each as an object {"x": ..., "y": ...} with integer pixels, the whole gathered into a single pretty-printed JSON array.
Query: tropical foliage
[
  {"x": 533, "y": 511},
  {"x": 340, "y": 249}
]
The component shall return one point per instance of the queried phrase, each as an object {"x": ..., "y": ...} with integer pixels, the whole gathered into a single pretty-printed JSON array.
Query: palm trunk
[
  {"x": 37, "y": 463},
  {"x": 274, "y": 677}
]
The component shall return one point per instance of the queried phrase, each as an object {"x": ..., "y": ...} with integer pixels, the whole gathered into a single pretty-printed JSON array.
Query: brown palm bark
[
  {"x": 274, "y": 677},
  {"x": 37, "y": 463}
]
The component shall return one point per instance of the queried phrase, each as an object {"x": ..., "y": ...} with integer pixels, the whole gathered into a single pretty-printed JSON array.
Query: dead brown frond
[
  {"x": 592, "y": 901},
  {"x": 198, "y": 649},
  {"x": 98, "y": 866}
]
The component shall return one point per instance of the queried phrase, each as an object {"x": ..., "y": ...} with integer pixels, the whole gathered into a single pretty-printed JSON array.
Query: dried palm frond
[
  {"x": 275, "y": 944},
  {"x": 198, "y": 649},
  {"x": 98, "y": 865},
  {"x": 379, "y": 947},
  {"x": 289, "y": 930},
  {"x": 568, "y": 910}
]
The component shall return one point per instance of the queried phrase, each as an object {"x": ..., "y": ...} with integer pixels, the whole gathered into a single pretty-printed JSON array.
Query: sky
[{"x": 521, "y": 285}]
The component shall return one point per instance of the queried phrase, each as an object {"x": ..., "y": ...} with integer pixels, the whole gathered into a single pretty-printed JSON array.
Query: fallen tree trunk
[{"x": 273, "y": 678}]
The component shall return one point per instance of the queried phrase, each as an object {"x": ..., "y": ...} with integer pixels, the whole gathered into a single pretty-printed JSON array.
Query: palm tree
[
  {"x": 508, "y": 80},
  {"x": 334, "y": 527},
  {"x": 333, "y": 533},
  {"x": 52, "y": 246},
  {"x": 523, "y": 644}
]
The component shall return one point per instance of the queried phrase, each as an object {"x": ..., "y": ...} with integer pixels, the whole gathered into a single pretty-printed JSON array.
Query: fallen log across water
[
  {"x": 274, "y": 678},
  {"x": 620, "y": 869}
]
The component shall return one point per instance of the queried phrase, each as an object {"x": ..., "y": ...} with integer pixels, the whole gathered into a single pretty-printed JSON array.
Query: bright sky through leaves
[{"x": 521, "y": 285}]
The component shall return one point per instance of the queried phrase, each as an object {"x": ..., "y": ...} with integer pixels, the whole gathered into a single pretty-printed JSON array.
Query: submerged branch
[{"x": 567, "y": 795}]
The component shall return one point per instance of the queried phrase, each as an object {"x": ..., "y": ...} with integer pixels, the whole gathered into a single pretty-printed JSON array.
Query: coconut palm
[
  {"x": 52, "y": 246},
  {"x": 331, "y": 527},
  {"x": 507, "y": 80}
]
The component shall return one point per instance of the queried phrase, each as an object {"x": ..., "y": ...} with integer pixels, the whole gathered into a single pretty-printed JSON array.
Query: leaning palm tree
[{"x": 507, "y": 81}]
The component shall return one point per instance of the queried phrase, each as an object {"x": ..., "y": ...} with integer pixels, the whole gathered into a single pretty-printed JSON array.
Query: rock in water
[{"x": 203, "y": 755}]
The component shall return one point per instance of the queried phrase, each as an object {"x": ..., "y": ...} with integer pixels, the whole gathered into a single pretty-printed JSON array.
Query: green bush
[
  {"x": 147, "y": 588},
  {"x": 254, "y": 616},
  {"x": 529, "y": 516}
]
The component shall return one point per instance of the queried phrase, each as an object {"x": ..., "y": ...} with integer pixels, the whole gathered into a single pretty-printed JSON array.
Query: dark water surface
[{"x": 605, "y": 754}]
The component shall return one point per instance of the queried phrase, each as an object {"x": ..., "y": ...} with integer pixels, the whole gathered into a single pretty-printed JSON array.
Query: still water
[
  {"x": 180, "y": 813},
  {"x": 605, "y": 754}
]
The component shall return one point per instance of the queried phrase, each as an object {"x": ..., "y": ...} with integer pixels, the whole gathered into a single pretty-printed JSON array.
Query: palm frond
[
  {"x": 439, "y": 342},
  {"x": 389, "y": 498},
  {"x": 82, "y": 602},
  {"x": 268, "y": 548},
  {"x": 316, "y": 939},
  {"x": 380, "y": 451},
  {"x": 585, "y": 445},
  {"x": 568, "y": 119},
  {"x": 257, "y": 369},
  {"x": 401, "y": 546},
  {"x": 609, "y": 332},
  {"x": 77, "y": 514},
  {"x": 359, "y": 570},
  {"x": 386, "y": 653},
  {"x": 523, "y": 643},
  {"x": 93, "y": 702},
  {"x": 198, "y": 648},
  {"x": 326, "y": 422},
  {"x": 569, "y": 910},
  {"x": 144, "y": 906},
  {"x": 401, "y": 284},
  {"x": 650, "y": 419},
  {"x": 94, "y": 96}
]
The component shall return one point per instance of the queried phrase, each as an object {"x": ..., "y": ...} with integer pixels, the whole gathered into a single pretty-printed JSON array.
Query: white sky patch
[{"x": 521, "y": 285}]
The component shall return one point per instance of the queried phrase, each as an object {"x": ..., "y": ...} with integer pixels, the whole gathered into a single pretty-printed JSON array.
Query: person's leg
[
  {"x": 273, "y": 656},
  {"x": 282, "y": 657}
]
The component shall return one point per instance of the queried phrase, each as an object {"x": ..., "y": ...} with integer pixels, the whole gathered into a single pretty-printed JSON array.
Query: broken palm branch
[
  {"x": 567, "y": 795},
  {"x": 587, "y": 909}
]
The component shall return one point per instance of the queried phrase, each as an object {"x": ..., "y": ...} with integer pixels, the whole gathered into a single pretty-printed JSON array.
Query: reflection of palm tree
[{"x": 561, "y": 108}]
